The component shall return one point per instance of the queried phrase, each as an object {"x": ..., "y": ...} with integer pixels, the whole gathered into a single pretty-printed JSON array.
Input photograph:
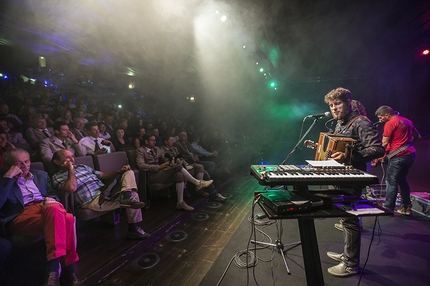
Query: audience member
[
  {"x": 158, "y": 139},
  {"x": 120, "y": 142},
  {"x": 103, "y": 131},
  {"x": 78, "y": 130},
  {"x": 14, "y": 137},
  {"x": 90, "y": 192},
  {"x": 108, "y": 120},
  {"x": 29, "y": 206},
  {"x": 93, "y": 143},
  {"x": 213, "y": 156},
  {"x": 5, "y": 145},
  {"x": 189, "y": 154},
  {"x": 63, "y": 138},
  {"x": 170, "y": 153},
  {"x": 200, "y": 151},
  {"x": 123, "y": 123},
  {"x": 37, "y": 132},
  {"x": 66, "y": 116},
  {"x": 150, "y": 158},
  {"x": 137, "y": 141},
  {"x": 15, "y": 120}
]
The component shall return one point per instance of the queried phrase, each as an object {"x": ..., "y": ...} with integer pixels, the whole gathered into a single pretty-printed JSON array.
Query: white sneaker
[
  {"x": 203, "y": 184},
  {"x": 183, "y": 206}
]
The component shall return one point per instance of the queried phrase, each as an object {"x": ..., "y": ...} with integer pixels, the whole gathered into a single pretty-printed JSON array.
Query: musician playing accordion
[{"x": 368, "y": 147}]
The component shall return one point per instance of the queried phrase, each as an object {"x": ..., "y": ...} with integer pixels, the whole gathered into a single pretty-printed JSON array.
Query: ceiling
[{"x": 173, "y": 43}]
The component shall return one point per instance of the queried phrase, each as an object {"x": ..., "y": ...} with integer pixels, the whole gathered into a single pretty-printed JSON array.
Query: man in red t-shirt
[{"x": 397, "y": 140}]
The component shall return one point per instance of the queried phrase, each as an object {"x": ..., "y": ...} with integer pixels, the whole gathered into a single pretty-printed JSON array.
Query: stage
[{"x": 399, "y": 254}]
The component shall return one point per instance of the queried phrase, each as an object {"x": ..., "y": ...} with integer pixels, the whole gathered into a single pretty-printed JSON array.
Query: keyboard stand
[{"x": 279, "y": 244}]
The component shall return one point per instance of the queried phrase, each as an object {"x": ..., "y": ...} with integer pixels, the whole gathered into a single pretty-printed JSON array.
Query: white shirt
[{"x": 90, "y": 144}]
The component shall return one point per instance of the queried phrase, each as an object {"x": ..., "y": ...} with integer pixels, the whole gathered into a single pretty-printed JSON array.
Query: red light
[{"x": 426, "y": 52}]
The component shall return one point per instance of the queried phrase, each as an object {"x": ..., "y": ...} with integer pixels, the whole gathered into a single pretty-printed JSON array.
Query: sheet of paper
[{"x": 324, "y": 163}]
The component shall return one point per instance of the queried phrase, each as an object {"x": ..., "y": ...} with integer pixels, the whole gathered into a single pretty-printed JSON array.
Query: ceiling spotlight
[
  {"x": 244, "y": 46},
  {"x": 223, "y": 18}
]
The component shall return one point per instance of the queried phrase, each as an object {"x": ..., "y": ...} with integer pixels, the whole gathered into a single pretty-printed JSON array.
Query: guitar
[
  {"x": 379, "y": 161},
  {"x": 384, "y": 159}
]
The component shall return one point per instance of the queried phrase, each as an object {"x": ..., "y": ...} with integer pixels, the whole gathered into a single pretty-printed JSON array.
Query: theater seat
[
  {"x": 69, "y": 202},
  {"x": 146, "y": 189}
]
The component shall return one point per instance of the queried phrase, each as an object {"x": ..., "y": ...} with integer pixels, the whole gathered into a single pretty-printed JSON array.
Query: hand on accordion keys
[{"x": 338, "y": 156}]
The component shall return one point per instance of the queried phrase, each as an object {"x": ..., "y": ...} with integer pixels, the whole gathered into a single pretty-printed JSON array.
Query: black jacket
[{"x": 368, "y": 146}]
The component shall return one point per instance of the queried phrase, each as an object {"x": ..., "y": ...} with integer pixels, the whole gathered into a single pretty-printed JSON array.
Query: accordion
[{"x": 329, "y": 143}]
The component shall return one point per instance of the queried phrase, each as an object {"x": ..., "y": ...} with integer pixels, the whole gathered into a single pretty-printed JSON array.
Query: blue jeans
[
  {"x": 213, "y": 193},
  {"x": 352, "y": 241},
  {"x": 209, "y": 166},
  {"x": 397, "y": 170}
]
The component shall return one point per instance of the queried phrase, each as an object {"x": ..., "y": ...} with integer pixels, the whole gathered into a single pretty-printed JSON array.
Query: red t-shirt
[{"x": 399, "y": 129}]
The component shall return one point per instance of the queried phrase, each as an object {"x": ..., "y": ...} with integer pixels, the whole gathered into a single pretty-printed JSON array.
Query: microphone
[{"x": 319, "y": 115}]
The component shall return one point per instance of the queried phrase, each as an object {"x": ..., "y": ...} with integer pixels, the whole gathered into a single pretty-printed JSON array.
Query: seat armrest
[{"x": 68, "y": 201}]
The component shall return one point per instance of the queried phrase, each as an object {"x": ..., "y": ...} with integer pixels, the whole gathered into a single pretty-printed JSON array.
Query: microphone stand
[
  {"x": 279, "y": 245},
  {"x": 300, "y": 140}
]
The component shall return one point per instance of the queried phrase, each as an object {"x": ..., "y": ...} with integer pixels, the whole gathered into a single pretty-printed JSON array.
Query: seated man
[
  {"x": 78, "y": 128},
  {"x": 87, "y": 188},
  {"x": 14, "y": 136},
  {"x": 37, "y": 132},
  {"x": 150, "y": 158},
  {"x": 63, "y": 139},
  {"x": 15, "y": 120},
  {"x": 29, "y": 207},
  {"x": 196, "y": 170},
  {"x": 189, "y": 154},
  {"x": 93, "y": 143}
]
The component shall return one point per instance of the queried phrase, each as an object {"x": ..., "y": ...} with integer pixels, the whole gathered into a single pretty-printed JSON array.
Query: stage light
[
  {"x": 42, "y": 61},
  {"x": 261, "y": 70},
  {"x": 131, "y": 86},
  {"x": 223, "y": 18},
  {"x": 273, "y": 84},
  {"x": 119, "y": 106},
  {"x": 426, "y": 52}
]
